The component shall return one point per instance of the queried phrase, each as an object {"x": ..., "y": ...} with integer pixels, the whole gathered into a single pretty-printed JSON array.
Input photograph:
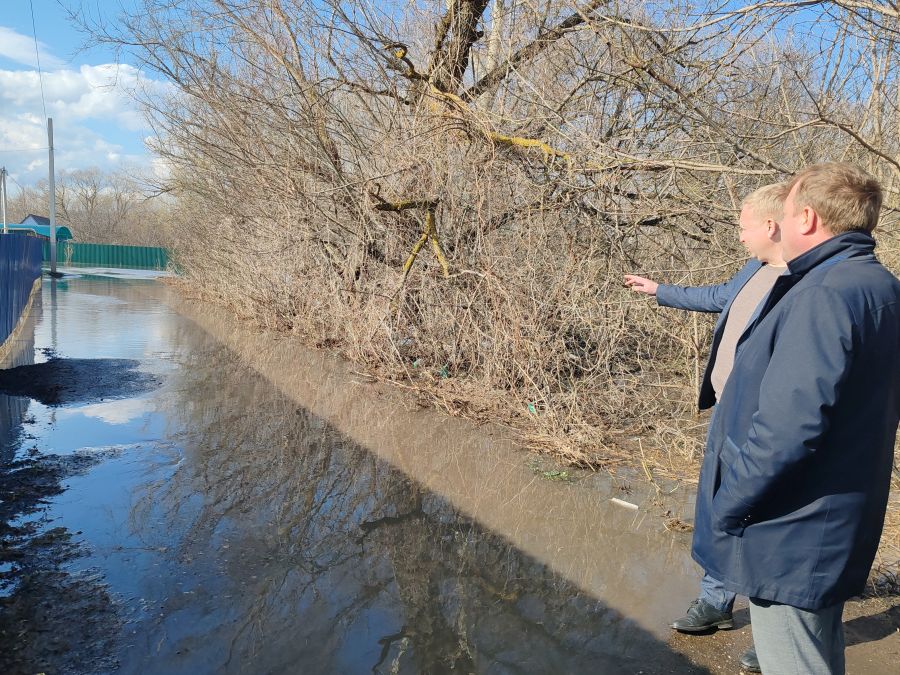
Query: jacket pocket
[{"x": 727, "y": 455}]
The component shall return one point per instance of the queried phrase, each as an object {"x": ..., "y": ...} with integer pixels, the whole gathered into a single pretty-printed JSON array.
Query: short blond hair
[
  {"x": 768, "y": 201},
  {"x": 844, "y": 196}
]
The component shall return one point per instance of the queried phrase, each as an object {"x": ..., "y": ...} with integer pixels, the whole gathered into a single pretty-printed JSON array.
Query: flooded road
[{"x": 211, "y": 499}]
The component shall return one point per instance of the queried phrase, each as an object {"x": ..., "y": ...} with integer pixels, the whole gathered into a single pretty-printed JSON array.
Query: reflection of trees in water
[
  {"x": 472, "y": 599},
  {"x": 337, "y": 538}
]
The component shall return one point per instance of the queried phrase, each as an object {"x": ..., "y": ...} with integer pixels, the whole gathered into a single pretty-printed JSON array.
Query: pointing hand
[{"x": 640, "y": 284}]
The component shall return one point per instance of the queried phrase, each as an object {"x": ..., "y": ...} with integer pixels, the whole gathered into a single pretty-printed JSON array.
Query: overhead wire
[
  {"x": 18, "y": 184},
  {"x": 38, "y": 57}
]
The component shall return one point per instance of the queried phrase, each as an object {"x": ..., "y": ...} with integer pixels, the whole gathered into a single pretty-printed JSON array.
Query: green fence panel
[{"x": 77, "y": 253}]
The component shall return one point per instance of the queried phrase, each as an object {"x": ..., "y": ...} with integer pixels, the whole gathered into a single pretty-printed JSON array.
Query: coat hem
[{"x": 806, "y": 601}]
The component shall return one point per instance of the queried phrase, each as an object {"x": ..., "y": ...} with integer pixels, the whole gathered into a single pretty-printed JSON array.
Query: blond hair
[
  {"x": 768, "y": 201},
  {"x": 844, "y": 196}
]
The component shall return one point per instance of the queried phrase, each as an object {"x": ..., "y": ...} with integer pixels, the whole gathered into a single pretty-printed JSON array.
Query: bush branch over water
[{"x": 541, "y": 148}]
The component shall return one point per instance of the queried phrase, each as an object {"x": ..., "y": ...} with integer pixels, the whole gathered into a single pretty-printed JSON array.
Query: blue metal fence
[{"x": 20, "y": 265}]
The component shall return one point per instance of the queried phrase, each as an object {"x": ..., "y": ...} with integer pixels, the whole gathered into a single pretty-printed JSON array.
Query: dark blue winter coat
[
  {"x": 716, "y": 298},
  {"x": 796, "y": 473}
]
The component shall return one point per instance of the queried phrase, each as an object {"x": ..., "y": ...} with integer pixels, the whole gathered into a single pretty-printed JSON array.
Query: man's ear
[
  {"x": 810, "y": 222},
  {"x": 773, "y": 230}
]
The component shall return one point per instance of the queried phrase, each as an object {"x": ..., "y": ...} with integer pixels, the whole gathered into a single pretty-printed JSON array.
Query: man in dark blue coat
[{"x": 795, "y": 478}]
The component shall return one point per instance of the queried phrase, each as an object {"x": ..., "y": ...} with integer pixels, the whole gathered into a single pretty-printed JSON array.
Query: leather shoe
[
  {"x": 702, "y": 616},
  {"x": 749, "y": 662}
]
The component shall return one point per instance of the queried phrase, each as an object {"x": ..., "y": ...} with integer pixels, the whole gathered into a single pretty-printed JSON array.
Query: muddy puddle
[{"x": 183, "y": 495}]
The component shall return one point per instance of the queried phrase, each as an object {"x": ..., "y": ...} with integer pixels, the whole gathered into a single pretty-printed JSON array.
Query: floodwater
[{"x": 185, "y": 495}]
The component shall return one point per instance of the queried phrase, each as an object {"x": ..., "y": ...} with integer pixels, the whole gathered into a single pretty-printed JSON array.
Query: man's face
[{"x": 755, "y": 234}]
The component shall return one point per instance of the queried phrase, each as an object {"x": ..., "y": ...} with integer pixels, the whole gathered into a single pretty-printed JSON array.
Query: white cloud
[
  {"x": 113, "y": 412},
  {"x": 100, "y": 92},
  {"x": 22, "y": 130},
  {"x": 90, "y": 106},
  {"x": 20, "y": 48}
]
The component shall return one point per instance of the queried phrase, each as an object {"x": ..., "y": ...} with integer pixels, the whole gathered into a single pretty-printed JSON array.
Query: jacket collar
[{"x": 851, "y": 244}]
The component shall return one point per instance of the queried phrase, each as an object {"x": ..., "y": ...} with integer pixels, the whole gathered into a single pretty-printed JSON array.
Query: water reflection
[
  {"x": 258, "y": 512},
  {"x": 625, "y": 558},
  {"x": 304, "y": 552}
]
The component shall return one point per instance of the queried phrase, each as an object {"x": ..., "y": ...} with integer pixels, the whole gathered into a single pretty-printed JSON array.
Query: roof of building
[
  {"x": 62, "y": 232},
  {"x": 32, "y": 219}
]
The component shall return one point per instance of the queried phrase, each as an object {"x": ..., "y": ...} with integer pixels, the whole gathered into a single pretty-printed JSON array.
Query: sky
[{"x": 96, "y": 122}]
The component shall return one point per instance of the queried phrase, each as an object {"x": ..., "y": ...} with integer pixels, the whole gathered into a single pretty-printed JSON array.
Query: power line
[
  {"x": 38, "y": 56},
  {"x": 9, "y": 175}
]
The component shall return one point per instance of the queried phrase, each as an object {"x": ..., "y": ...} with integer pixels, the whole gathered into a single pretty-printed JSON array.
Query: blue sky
[{"x": 88, "y": 94}]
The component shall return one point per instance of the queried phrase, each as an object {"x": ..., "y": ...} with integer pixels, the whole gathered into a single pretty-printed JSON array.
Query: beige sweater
[{"x": 745, "y": 303}]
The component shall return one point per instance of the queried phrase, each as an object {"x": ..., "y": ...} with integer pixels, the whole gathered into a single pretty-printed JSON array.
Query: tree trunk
[{"x": 457, "y": 31}]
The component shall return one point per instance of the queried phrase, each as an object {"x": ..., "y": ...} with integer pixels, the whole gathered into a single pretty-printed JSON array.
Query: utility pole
[
  {"x": 3, "y": 198},
  {"x": 52, "y": 201}
]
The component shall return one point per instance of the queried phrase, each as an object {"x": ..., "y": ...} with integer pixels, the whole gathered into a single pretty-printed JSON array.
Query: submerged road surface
[{"x": 181, "y": 494}]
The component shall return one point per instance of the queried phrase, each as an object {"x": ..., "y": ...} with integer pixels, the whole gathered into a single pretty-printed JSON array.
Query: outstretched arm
[{"x": 694, "y": 298}]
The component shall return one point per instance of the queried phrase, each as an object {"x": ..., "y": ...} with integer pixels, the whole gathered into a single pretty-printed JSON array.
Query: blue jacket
[
  {"x": 795, "y": 477},
  {"x": 708, "y": 299}
]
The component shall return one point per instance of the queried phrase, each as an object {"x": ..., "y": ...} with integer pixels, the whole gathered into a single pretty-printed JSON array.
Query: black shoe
[
  {"x": 701, "y": 617},
  {"x": 749, "y": 662}
]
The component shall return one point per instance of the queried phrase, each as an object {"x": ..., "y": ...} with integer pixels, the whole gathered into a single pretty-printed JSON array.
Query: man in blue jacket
[
  {"x": 737, "y": 300},
  {"x": 795, "y": 478}
]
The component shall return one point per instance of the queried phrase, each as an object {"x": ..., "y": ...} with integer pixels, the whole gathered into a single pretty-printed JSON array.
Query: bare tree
[
  {"x": 449, "y": 192},
  {"x": 102, "y": 207}
]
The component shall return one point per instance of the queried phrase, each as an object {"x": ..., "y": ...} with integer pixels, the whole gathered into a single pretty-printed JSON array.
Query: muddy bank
[
  {"x": 51, "y": 618},
  {"x": 62, "y": 381}
]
